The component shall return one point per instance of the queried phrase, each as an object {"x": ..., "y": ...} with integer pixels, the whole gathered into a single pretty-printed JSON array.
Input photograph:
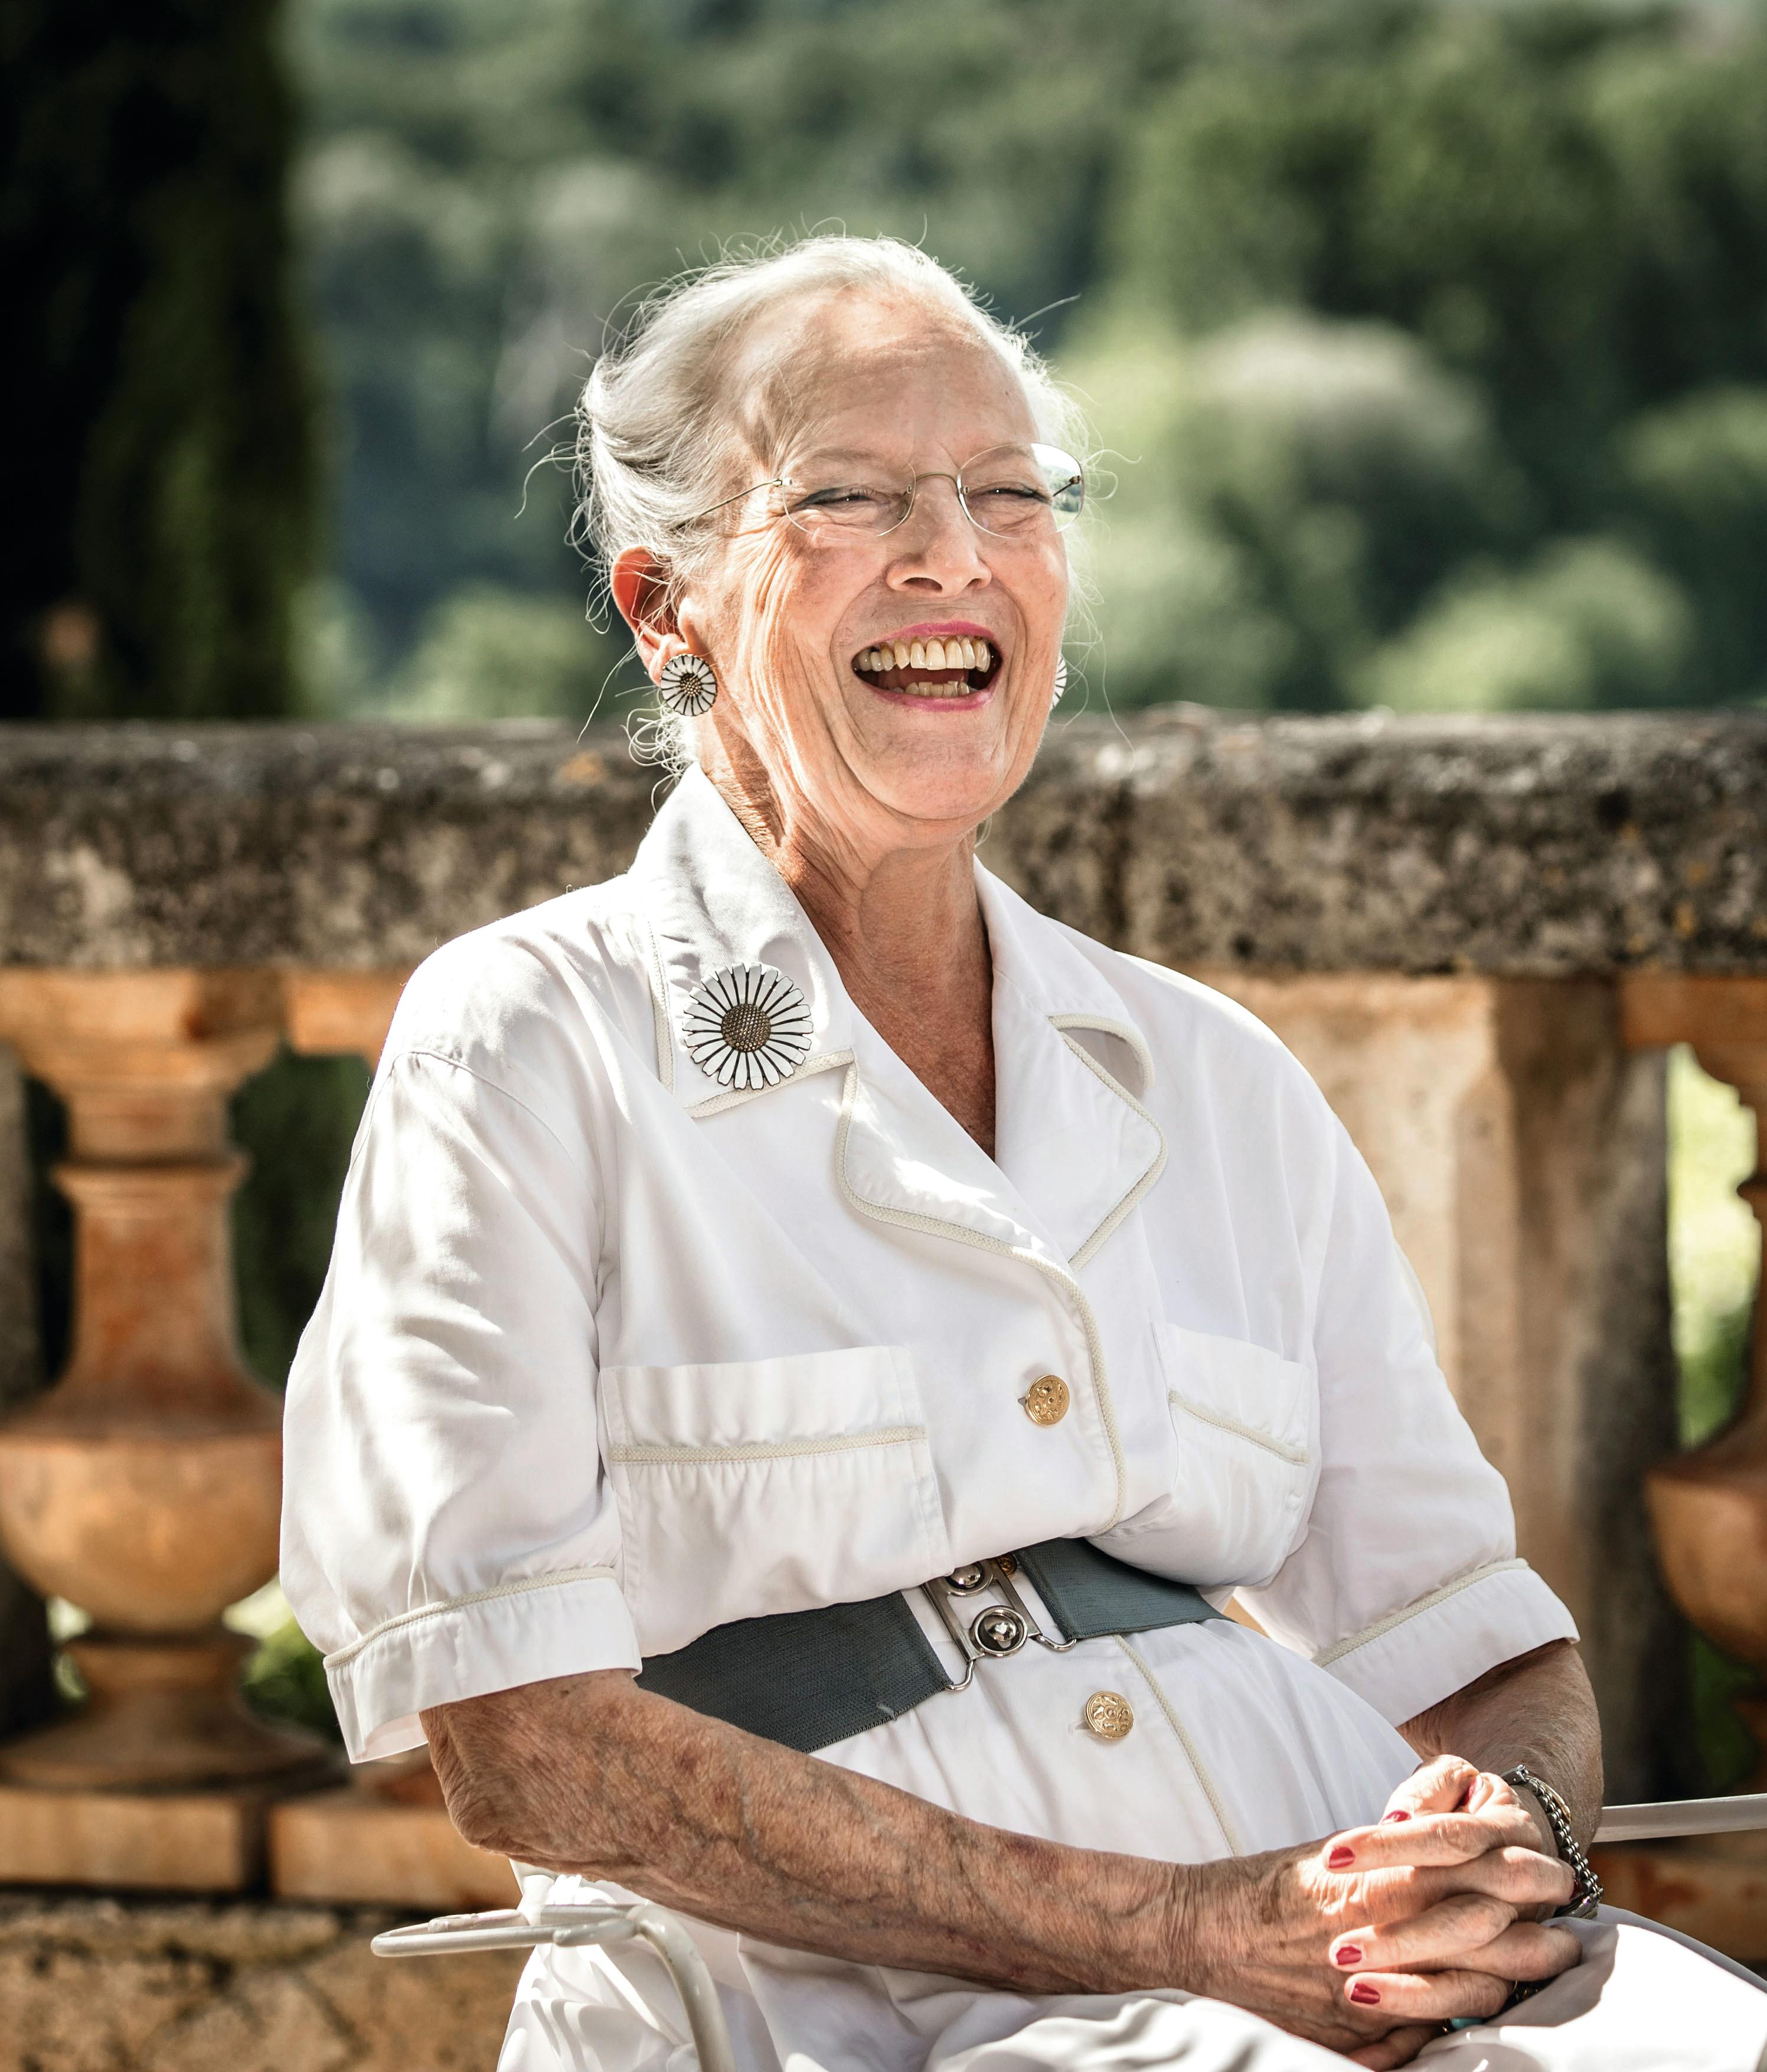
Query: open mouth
[{"x": 951, "y": 667}]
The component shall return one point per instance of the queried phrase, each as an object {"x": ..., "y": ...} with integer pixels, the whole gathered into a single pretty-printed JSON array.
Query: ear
[{"x": 640, "y": 584}]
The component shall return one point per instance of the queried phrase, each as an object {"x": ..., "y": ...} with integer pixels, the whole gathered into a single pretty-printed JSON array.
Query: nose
[{"x": 938, "y": 548}]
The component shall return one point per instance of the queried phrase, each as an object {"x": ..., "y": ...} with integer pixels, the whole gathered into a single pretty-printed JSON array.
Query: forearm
[
  {"x": 1538, "y": 1710},
  {"x": 589, "y": 1774}
]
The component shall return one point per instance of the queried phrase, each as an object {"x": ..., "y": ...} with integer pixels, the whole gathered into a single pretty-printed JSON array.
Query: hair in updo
[{"x": 659, "y": 438}]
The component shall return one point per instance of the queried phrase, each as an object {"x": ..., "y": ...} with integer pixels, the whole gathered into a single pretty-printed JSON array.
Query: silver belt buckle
[{"x": 996, "y": 1630}]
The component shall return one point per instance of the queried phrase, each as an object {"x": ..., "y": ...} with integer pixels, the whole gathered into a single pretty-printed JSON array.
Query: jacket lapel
[
  {"x": 1072, "y": 1136},
  {"x": 1074, "y": 1148}
]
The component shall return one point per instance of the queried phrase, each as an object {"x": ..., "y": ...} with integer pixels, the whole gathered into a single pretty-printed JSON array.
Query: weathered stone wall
[
  {"x": 1436, "y": 915},
  {"x": 1519, "y": 847},
  {"x": 100, "y": 1985}
]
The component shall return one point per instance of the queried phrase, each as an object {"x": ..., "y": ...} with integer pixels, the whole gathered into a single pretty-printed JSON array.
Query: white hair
[{"x": 660, "y": 438}]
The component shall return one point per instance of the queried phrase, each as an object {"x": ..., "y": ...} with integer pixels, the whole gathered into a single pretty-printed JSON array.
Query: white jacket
[{"x": 608, "y": 1356}]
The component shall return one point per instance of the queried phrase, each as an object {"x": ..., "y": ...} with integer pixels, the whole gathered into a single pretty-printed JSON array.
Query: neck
[{"x": 904, "y": 926}]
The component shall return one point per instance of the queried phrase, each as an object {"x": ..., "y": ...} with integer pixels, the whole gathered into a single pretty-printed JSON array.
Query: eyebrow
[
  {"x": 842, "y": 453},
  {"x": 864, "y": 455}
]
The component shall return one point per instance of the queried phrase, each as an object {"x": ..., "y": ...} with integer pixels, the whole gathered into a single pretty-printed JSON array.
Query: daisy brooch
[{"x": 747, "y": 1027}]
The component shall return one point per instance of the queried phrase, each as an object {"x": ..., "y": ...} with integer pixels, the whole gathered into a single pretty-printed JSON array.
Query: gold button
[
  {"x": 1045, "y": 1401},
  {"x": 1108, "y": 1714}
]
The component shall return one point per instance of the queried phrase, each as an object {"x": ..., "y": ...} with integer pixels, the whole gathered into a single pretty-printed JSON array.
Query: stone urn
[
  {"x": 1709, "y": 1506},
  {"x": 144, "y": 1487}
]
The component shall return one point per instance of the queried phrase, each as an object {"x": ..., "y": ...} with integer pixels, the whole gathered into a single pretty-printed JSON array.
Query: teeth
[{"x": 951, "y": 654}]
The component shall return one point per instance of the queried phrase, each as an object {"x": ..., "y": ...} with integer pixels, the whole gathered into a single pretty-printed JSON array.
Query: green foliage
[
  {"x": 1291, "y": 491},
  {"x": 296, "y": 1122},
  {"x": 492, "y": 653},
  {"x": 1564, "y": 210},
  {"x": 1694, "y": 472},
  {"x": 1427, "y": 333},
  {"x": 1565, "y": 203},
  {"x": 160, "y": 461},
  {"x": 1586, "y": 623},
  {"x": 284, "y": 1681}
]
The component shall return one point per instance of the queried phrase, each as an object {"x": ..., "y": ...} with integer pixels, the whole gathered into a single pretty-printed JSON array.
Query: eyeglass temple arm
[{"x": 774, "y": 481}]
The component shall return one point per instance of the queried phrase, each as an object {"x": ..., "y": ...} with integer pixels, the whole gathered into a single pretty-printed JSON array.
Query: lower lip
[{"x": 971, "y": 701}]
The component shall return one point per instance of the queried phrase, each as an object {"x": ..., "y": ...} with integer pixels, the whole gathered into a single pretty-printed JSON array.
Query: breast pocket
[
  {"x": 1245, "y": 1428},
  {"x": 750, "y": 1486}
]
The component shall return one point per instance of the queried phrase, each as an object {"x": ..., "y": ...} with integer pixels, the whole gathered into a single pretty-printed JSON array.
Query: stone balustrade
[{"x": 1480, "y": 935}]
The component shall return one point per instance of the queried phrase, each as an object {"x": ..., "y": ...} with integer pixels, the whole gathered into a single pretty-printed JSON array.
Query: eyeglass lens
[{"x": 1007, "y": 490}]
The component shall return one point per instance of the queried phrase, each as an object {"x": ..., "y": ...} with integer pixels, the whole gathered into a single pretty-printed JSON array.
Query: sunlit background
[{"x": 1424, "y": 345}]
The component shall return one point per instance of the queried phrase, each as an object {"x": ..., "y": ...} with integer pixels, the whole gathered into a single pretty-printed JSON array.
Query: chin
[
  {"x": 947, "y": 770},
  {"x": 945, "y": 798}
]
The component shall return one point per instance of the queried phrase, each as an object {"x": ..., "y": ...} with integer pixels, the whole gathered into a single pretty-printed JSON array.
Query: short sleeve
[
  {"x": 1405, "y": 1585},
  {"x": 446, "y": 1529}
]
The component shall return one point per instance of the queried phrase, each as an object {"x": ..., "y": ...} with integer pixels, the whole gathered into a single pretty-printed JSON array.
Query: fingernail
[
  {"x": 1348, "y": 1953},
  {"x": 1340, "y": 1857},
  {"x": 1397, "y": 1813},
  {"x": 1364, "y": 1994}
]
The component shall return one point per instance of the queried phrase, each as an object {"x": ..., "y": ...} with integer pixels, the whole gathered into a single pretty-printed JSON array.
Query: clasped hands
[{"x": 1370, "y": 1942}]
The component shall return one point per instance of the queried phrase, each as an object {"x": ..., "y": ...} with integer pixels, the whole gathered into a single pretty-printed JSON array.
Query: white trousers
[{"x": 1643, "y": 2000}]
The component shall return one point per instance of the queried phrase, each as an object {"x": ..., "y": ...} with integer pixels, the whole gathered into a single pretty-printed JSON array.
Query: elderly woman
[{"x": 892, "y": 1325}]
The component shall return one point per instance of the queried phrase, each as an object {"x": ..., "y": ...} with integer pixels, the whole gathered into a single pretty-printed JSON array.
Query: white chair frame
[{"x": 536, "y": 1922}]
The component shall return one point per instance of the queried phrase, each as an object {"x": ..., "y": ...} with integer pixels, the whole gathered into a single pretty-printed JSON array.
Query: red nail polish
[
  {"x": 1364, "y": 1995},
  {"x": 1397, "y": 1813},
  {"x": 1348, "y": 1953},
  {"x": 1339, "y": 1858}
]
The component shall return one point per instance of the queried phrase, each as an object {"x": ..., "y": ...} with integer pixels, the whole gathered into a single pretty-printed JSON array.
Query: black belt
[{"x": 811, "y": 1679}]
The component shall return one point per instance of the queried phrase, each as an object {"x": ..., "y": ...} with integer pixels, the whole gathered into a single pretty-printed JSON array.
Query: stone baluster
[
  {"x": 144, "y": 1486},
  {"x": 1709, "y": 1506},
  {"x": 27, "y": 1685}
]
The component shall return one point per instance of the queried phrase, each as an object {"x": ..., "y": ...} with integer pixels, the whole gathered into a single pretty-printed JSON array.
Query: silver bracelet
[{"x": 1584, "y": 1901}]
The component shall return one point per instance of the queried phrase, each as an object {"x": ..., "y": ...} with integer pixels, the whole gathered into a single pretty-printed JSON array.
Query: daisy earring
[
  {"x": 1060, "y": 679},
  {"x": 687, "y": 685}
]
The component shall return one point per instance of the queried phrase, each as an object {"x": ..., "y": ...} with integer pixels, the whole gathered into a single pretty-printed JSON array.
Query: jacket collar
[
  {"x": 1075, "y": 1147},
  {"x": 713, "y": 900}
]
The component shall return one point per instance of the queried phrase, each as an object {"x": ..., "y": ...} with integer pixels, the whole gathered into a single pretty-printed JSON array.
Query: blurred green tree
[
  {"x": 1562, "y": 210},
  {"x": 1294, "y": 490},
  {"x": 1694, "y": 473},
  {"x": 161, "y": 456},
  {"x": 1538, "y": 226},
  {"x": 1566, "y": 202}
]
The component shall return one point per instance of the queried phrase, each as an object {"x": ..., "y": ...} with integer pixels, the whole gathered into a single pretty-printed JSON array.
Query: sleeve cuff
[
  {"x": 1416, "y": 1657},
  {"x": 522, "y": 1632}
]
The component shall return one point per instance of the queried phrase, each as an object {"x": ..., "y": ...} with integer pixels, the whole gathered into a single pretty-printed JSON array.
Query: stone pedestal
[
  {"x": 354, "y": 1845},
  {"x": 144, "y": 1486},
  {"x": 1520, "y": 1147}
]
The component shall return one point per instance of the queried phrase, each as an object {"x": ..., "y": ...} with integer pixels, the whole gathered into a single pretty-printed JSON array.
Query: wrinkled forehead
[{"x": 856, "y": 373}]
